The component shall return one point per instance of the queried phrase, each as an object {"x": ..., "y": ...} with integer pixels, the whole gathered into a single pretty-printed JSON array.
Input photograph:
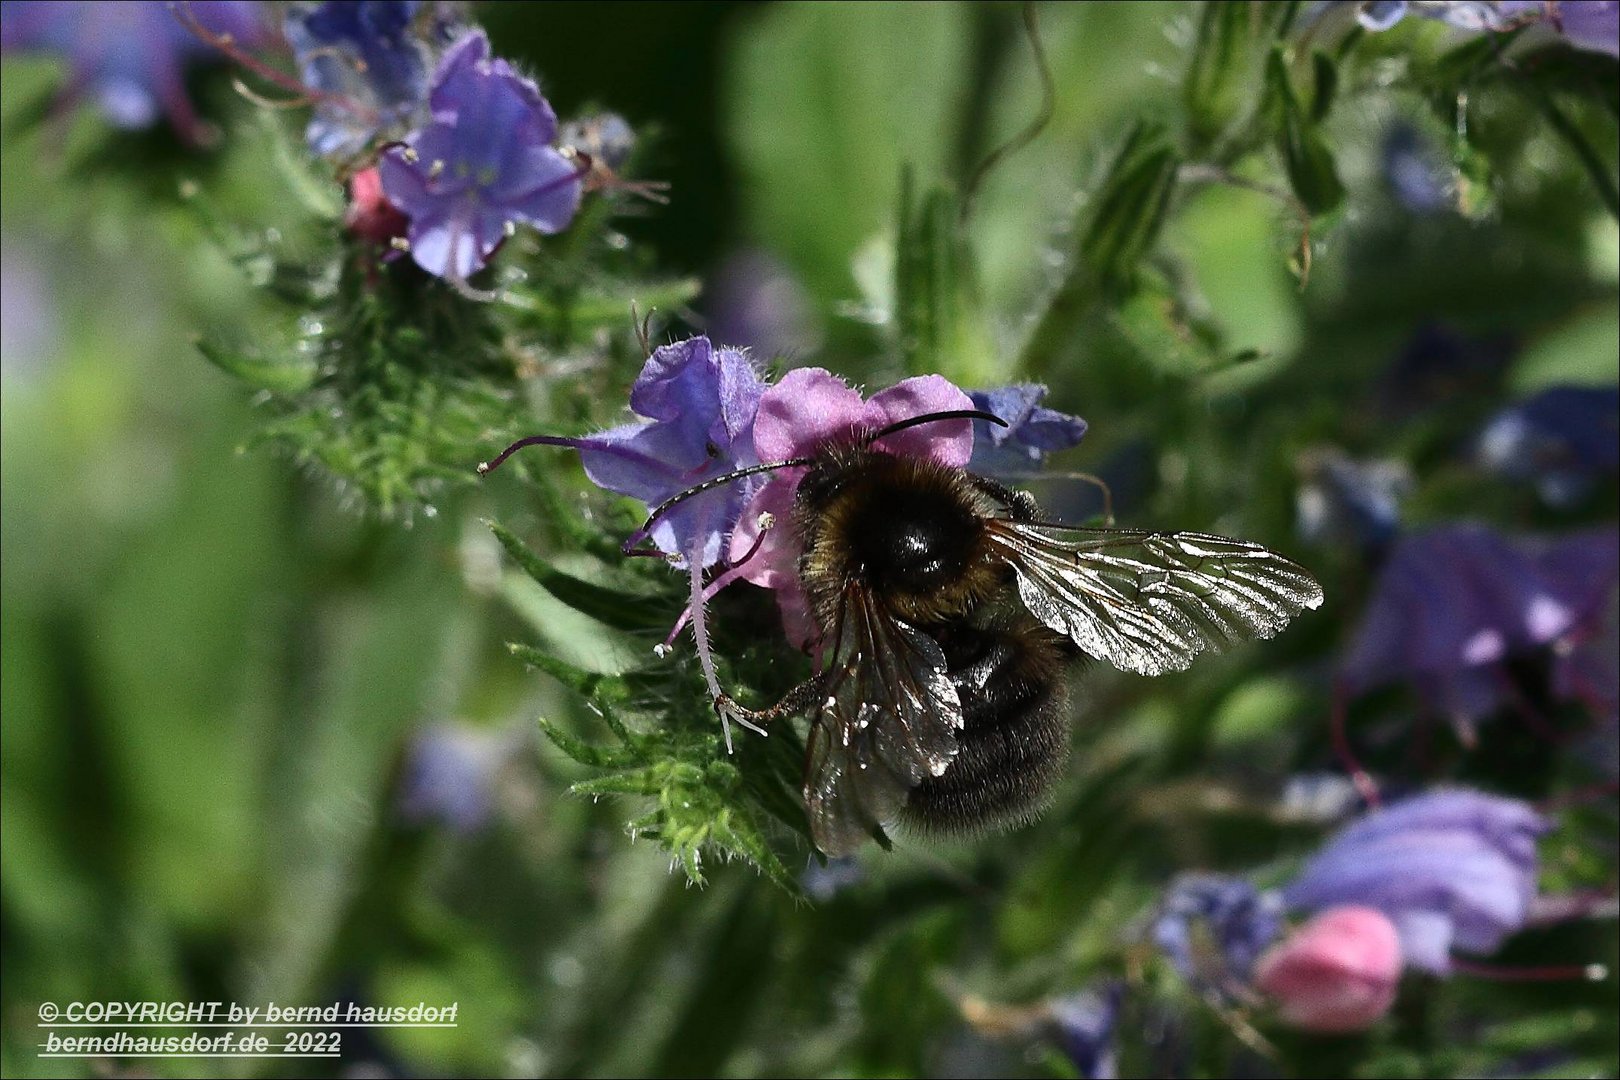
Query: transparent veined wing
[
  {"x": 1150, "y": 602},
  {"x": 887, "y": 721}
]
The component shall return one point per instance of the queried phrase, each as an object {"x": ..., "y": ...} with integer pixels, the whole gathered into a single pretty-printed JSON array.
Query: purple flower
[
  {"x": 1032, "y": 430},
  {"x": 29, "y": 323},
  {"x": 1453, "y": 870},
  {"x": 1342, "y": 499},
  {"x": 1587, "y": 670},
  {"x": 755, "y": 301},
  {"x": 1589, "y": 24},
  {"x": 1437, "y": 364},
  {"x": 485, "y": 163},
  {"x": 1561, "y": 439},
  {"x": 1084, "y": 1023},
  {"x": 1471, "y": 15},
  {"x": 369, "y": 62},
  {"x": 797, "y": 416},
  {"x": 450, "y": 773},
  {"x": 608, "y": 139},
  {"x": 1213, "y": 927},
  {"x": 698, "y": 404},
  {"x": 130, "y": 56},
  {"x": 823, "y": 882},
  {"x": 1418, "y": 177},
  {"x": 1455, "y": 601}
]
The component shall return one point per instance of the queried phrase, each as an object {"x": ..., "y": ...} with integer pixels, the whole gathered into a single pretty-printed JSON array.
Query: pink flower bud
[
  {"x": 370, "y": 215},
  {"x": 1337, "y": 973}
]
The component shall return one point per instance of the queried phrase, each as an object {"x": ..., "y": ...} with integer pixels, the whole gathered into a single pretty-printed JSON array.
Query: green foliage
[{"x": 214, "y": 671}]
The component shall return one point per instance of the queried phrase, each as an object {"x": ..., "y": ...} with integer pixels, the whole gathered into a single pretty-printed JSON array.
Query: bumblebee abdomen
[{"x": 1014, "y": 742}]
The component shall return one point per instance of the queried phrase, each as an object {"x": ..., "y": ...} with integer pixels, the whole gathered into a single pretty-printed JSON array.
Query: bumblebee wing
[
  {"x": 888, "y": 720},
  {"x": 1150, "y": 602}
]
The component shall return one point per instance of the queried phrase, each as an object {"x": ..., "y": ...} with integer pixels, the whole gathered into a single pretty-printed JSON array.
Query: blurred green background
[{"x": 213, "y": 665}]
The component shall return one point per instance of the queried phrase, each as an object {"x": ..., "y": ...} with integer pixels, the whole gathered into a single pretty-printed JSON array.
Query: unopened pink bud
[
  {"x": 370, "y": 215},
  {"x": 1337, "y": 973}
]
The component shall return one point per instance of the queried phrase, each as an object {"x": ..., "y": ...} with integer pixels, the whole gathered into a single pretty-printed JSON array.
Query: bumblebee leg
[
  {"x": 1021, "y": 503},
  {"x": 797, "y": 700}
]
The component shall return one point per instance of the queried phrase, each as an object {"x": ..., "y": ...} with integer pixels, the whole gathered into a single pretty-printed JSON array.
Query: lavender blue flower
[
  {"x": 369, "y": 62},
  {"x": 1228, "y": 913},
  {"x": 1562, "y": 440},
  {"x": 1455, "y": 601},
  {"x": 129, "y": 56},
  {"x": 755, "y": 301},
  {"x": 450, "y": 773},
  {"x": 1438, "y": 364},
  {"x": 1032, "y": 430},
  {"x": 698, "y": 402},
  {"x": 1453, "y": 870},
  {"x": 1344, "y": 500},
  {"x": 1588, "y": 671},
  {"x": 1471, "y": 15},
  {"x": 1417, "y": 176},
  {"x": 1593, "y": 25},
  {"x": 485, "y": 163},
  {"x": 608, "y": 139},
  {"x": 823, "y": 882},
  {"x": 1084, "y": 1026}
]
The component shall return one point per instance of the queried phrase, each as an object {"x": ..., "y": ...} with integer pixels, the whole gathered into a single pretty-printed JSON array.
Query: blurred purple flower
[
  {"x": 1417, "y": 176},
  {"x": 1587, "y": 670},
  {"x": 608, "y": 139},
  {"x": 29, "y": 327},
  {"x": 1438, "y": 364},
  {"x": 1201, "y": 911},
  {"x": 1453, "y": 870},
  {"x": 1084, "y": 1023},
  {"x": 132, "y": 55},
  {"x": 823, "y": 882},
  {"x": 485, "y": 163},
  {"x": 1593, "y": 25},
  {"x": 1380, "y": 15},
  {"x": 1032, "y": 430},
  {"x": 1562, "y": 439},
  {"x": 1587, "y": 24},
  {"x": 450, "y": 774},
  {"x": 1337, "y": 973},
  {"x": 1342, "y": 500},
  {"x": 1454, "y": 601},
  {"x": 698, "y": 402},
  {"x": 369, "y": 61},
  {"x": 755, "y": 301}
]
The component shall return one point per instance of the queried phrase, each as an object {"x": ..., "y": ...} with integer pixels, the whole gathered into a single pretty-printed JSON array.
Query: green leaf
[
  {"x": 936, "y": 313},
  {"x": 619, "y": 610},
  {"x": 1311, "y": 169},
  {"x": 1325, "y": 73},
  {"x": 1119, "y": 229},
  {"x": 280, "y": 375}
]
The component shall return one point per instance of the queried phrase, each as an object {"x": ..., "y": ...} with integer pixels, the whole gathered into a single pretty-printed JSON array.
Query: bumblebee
[{"x": 951, "y": 612}]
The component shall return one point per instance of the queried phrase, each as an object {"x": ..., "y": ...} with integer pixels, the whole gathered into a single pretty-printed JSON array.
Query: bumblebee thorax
[{"x": 909, "y": 531}]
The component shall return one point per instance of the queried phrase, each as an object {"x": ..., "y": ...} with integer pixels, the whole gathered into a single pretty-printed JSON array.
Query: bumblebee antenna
[
  {"x": 663, "y": 508},
  {"x": 753, "y": 470},
  {"x": 697, "y": 489},
  {"x": 929, "y": 418}
]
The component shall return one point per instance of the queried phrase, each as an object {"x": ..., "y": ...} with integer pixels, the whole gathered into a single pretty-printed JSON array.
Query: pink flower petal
[
  {"x": 1337, "y": 973},
  {"x": 949, "y": 442},
  {"x": 808, "y": 406}
]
